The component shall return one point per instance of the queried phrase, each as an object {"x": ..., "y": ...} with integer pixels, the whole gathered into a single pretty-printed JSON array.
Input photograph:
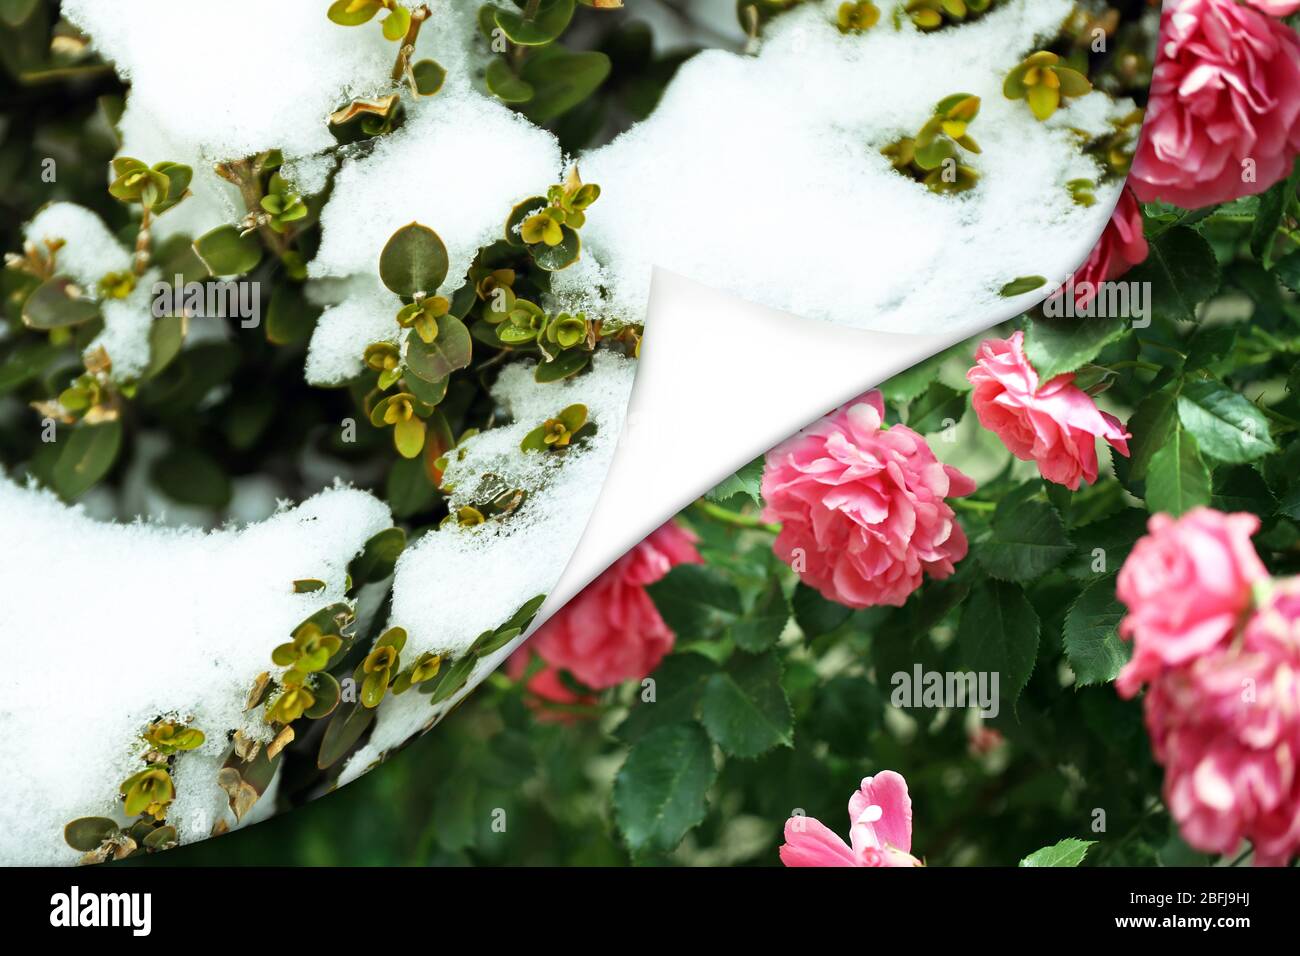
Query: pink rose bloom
[
  {"x": 862, "y": 507},
  {"x": 1186, "y": 585},
  {"x": 880, "y": 830},
  {"x": 1055, "y": 425},
  {"x": 1227, "y": 730},
  {"x": 1226, "y": 89},
  {"x": 612, "y": 632},
  {"x": 1122, "y": 246},
  {"x": 1275, "y": 8}
]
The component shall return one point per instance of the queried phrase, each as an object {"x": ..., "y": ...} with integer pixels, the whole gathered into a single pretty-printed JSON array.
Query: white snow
[
  {"x": 455, "y": 583},
  {"x": 236, "y": 77},
  {"x": 363, "y": 317},
  {"x": 90, "y": 251},
  {"x": 763, "y": 175},
  {"x": 459, "y": 165},
  {"x": 109, "y": 626},
  {"x": 126, "y": 328}
]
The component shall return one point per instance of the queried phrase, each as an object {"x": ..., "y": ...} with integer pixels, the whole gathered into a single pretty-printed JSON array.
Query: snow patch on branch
[
  {"x": 763, "y": 175},
  {"x": 108, "y": 627},
  {"x": 455, "y": 583}
]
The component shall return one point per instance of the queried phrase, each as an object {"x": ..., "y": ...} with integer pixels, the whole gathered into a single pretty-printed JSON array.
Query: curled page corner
[{"x": 720, "y": 381}]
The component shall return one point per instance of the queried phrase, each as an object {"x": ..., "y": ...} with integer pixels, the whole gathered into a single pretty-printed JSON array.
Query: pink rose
[
  {"x": 1275, "y": 8},
  {"x": 1224, "y": 114},
  {"x": 1186, "y": 585},
  {"x": 862, "y": 507},
  {"x": 1122, "y": 246},
  {"x": 880, "y": 830},
  {"x": 612, "y": 632},
  {"x": 1226, "y": 727},
  {"x": 1055, "y": 425}
]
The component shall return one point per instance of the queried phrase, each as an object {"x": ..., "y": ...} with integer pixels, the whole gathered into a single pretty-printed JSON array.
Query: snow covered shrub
[{"x": 319, "y": 329}]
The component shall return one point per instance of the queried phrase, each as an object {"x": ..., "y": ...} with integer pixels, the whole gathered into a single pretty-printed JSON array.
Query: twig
[
  {"x": 736, "y": 520},
  {"x": 407, "y": 48}
]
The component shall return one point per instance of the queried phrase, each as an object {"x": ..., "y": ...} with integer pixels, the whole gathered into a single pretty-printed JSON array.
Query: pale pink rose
[
  {"x": 862, "y": 507},
  {"x": 1226, "y": 727},
  {"x": 1122, "y": 246},
  {"x": 880, "y": 830},
  {"x": 612, "y": 632},
  {"x": 1275, "y": 8},
  {"x": 1223, "y": 120},
  {"x": 1055, "y": 425},
  {"x": 1187, "y": 585}
]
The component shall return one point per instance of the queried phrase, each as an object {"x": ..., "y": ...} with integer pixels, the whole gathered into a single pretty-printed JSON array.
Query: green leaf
[
  {"x": 15, "y": 13},
  {"x": 1242, "y": 488},
  {"x": 547, "y": 24},
  {"x": 748, "y": 482},
  {"x": 659, "y": 793},
  {"x": 745, "y": 709},
  {"x": 178, "y": 180},
  {"x": 1054, "y": 346},
  {"x": 431, "y": 393},
  {"x": 1021, "y": 285},
  {"x": 938, "y": 408},
  {"x": 166, "y": 336},
  {"x": 557, "y": 258},
  {"x": 1069, "y": 852},
  {"x": 1268, "y": 217},
  {"x": 760, "y": 628},
  {"x": 560, "y": 81},
  {"x": 413, "y": 260},
  {"x": 57, "y": 303},
  {"x": 339, "y": 11},
  {"x": 998, "y": 633},
  {"x": 88, "y": 833},
  {"x": 845, "y": 712},
  {"x": 503, "y": 84},
  {"x": 27, "y": 361},
  {"x": 1183, "y": 272},
  {"x": 678, "y": 688},
  {"x": 1092, "y": 642},
  {"x": 1177, "y": 479},
  {"x": 1028, "y": 540},
  {"x": 564, "y": 365},
  {"x": 87, "y": 457},
  {"x": 192, "y": 477},
  {"x": 429, "y": 77},
  {"x": 905, "y": 386},
  {"x": 289, "y": 316},
  {"x": 451, "y": 350},
  {"x": 1226, "y": 425},
  {"x": 1152, "y": 422},
  {"x": 1209, "y": 344},
  {"x": 345, "y": 728},
  {"x": 378, "y": 557},
  {"x": 1287, "y": 269},
  {"x": 226, "y": 253},
  {"x": 695, "y": 600},
  {"x": 814, "y": 614}
]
